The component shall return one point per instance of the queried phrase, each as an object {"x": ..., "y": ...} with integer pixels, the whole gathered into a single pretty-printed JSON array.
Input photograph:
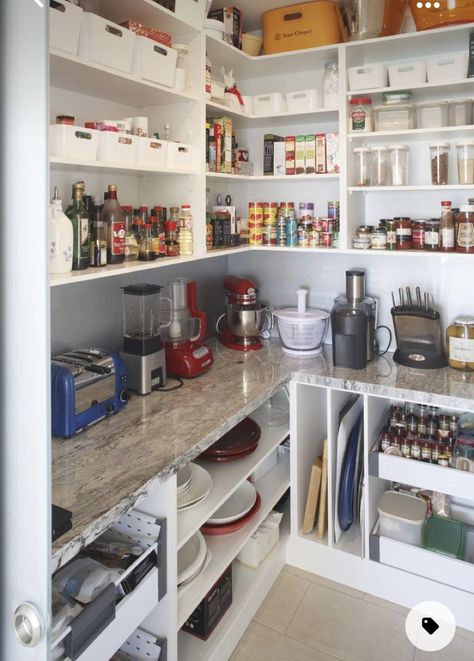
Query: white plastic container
[
  {"x": 367, "y": 76},
  {"x": 60, "y": 237},
  {"x": 106, "y": 43},
  {"x": 447, "y": 68},
  {"x": 179, "y": 156},
  {"x": 191, "y": 12},
  {"x": 266, "y": 466},
  {"x": 217, "y": 89},
  {"x": 432, "y": 114},
  {"x": 117, "y": 148},
  {"x": 407, "y": 74},
  {"x": 301, "y": 101},
  {"x": 73, "y": 142},
  {"x": 460, "y": 112},
  {"x": 151, "y": 152},
  {"x": 263, "y": 540},
  {"x": 64, "y": 26},
  {"x": 402, "y": 517},
  {"x": 394, "y": 118},
  {"x": 399, "y": 157},
  {"x": 268, "y": 104},
  {"x": 214, "y": 28},
  {"x": 302, "y": 329},
  {"x": 154, "y": 62}
]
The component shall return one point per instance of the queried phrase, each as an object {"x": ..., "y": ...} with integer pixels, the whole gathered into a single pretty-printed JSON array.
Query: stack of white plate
[
  {"x": 191, "y": 559},
  {"x": 193, "y": 485}
]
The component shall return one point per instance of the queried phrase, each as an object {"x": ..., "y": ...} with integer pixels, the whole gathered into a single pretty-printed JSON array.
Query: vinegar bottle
[
  {"x": 114, "y": 222},
  {"x": 80, "y": 225}
]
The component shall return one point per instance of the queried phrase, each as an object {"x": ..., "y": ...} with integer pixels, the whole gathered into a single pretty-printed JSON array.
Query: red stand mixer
[
  {"x": 245, "y": 319},
  {"x": 187, "y": 355}
]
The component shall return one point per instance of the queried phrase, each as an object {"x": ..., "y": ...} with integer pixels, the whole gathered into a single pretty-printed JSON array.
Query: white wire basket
[{"x": 302, "y": 330}]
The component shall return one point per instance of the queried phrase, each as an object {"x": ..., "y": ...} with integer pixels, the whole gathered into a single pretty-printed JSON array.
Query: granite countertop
[{"x": 102, "y": 472}]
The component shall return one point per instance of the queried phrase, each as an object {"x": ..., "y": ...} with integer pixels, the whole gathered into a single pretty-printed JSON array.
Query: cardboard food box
[
  {"x": 320, "y": 153},
  {"x": 232, "y": 19},
  {"x": 279, "y": 159},
  {"x": 269, "y": 142},
  {"x": 332, "y": 153},
  {"x": 290, "y": 146},
  {"x": 310, "y": 154},
  {"x": 300, "y": 154},
  {"x": 222, "y": 127}
]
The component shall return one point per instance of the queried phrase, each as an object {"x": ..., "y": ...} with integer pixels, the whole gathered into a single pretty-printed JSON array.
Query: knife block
[{"x": 419, "y": 338}]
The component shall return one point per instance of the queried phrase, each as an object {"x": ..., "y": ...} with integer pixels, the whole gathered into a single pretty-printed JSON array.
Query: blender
[
  {"x": 186, "y": 354},
  {"x": 143, "y": 352}
]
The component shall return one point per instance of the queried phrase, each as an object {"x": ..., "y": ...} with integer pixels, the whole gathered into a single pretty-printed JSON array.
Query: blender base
[{"x": 188, "y": 360}]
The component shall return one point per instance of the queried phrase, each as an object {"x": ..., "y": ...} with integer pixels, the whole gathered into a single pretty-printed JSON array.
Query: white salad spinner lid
[{"x": 301, "y": 314}]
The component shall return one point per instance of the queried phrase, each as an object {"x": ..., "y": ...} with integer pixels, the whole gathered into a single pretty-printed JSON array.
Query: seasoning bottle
[
  {"x": 155, "y": 235},
  {"x": 403, "y": 230},
  {"x": 360, "y": 114},
  {"x": 385, "y": 440},
  {"x": 465, "y": 229},
  {"x": 406, "y": 448},
  {"x": 460, "y": 347},
  {"x": 147, "y": 253},
  {"x": 61, "y": 237},
  {"x": 422, "y": 422},
  {"x": 98, "y": 237},
  {"x": 80, "y": 226},
  {"x": 446, "y": 228},
  {"x": 172, "y": 247},
  {"x": 412, "y": 418},
  {"x": 415, "y": 449},
  {"x": 426, "y": 452},
  {"x": 131, "y": 243},
  {"x": 112, "y": 217},
  {"x": 82, "y": 186},
  {"x": 391, "y": 229}
]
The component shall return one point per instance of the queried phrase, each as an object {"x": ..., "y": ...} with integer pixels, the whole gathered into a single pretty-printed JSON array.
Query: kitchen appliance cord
[
  {"x": 382, "y": 353},
  {"x": 175, "y": 378}
]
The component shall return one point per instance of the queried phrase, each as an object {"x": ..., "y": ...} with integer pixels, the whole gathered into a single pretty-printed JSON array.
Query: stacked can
[
  {"x": 270, "y": 223},
  {"x": 291, "y": 228},
  {"x": 305, "y": 225},
  {"x": 255, "y": 223},
  {"x": 333, "y": 213}
]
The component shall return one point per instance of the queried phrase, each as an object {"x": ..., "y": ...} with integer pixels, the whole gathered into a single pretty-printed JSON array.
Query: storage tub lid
[
  {"x": 380, "y": 148},
  {"x": 308, "y": 317},
  {"x": 461, "y": 143},
  {"x": 464, "y": 320},
  {"x": 430, "y": 104},
  {"x": 394, "y": 107},
  {"x": 444, "y": 536},
  {"x": 398, "y": 146},
  {"x": 363, "y": 150},
  {"x": 403, "y": 507},
  {"x": 440, "y": 144},
  {"x": 362, "y": 100},
  {"x": 466, "y": 100}
]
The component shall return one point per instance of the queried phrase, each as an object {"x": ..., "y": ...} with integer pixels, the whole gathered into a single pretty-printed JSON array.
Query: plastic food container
[
  {"x": 73, "y": 142},
  {"x": 446, "y": 536},
  {"x": 439, "y": 160},
  {"x": 302, "y": 329},
  {"x": 217, "y": 89},
  {"x": 154, "y": 62},
  {"x": 402, "y": 517},
  {"x": 214, "y": 28},
  {"x": 362, "y": 166},
  {"x": 106, "y": 43},
  {"x": 407, "y": 74},
  {"x": 432, "y": 114},
  {"x": 399, "y": 164},
  {"x": 380, "y": 175},
  {"x": 179, "y": 156},
  {"x": 151, "y": 152},
  {"x": 447, "y": 68},
  {"x": 400, "y": 117},
  {"x": 268, "y": 104},
  {"x": 368, "y": 76},
  {"x": 117, "y": 147},
  {"x": 465, "y": 153},
  {"x": 460, "y": 112},
  {"x": 360, "y": 114},
  {"x": 301, "y": 101},
  {"x": 64, "y": 25},
  {"x": 190, "y": 11},
  {"x": 251, "y": 44}
]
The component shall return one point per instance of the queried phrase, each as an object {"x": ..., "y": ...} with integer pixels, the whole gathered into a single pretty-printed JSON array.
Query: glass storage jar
[
  {"x": 391, "y": 230},
  {"x": 460, "y": 112},
  {"x": 380, "y": 166},
  {"x": 439, "y": 158},
  {"x": 460, "y": 343},
  {"x": 403, "y": 226},
  {"x": 362, "y": 166},
  {"x": 360, "y": 114},
  {"x": 379, "y": 239},
  {"x": 418, "y": 235},
  {"x": 465, "y": 229},
  {"x": 399, "y": 164},
  {"x": 465, "y": 152},
  {"x": 432, "y": 234},
  {"x": 331, "y": 85}
]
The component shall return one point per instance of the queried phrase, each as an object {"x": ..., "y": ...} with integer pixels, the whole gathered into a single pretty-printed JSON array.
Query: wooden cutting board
[
  {"x": 324, "y": 493},
  {"x": 312, "y": 499}
]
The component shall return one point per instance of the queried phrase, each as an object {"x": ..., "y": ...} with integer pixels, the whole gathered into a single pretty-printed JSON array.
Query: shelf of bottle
[{"x": 58, "y": 162}]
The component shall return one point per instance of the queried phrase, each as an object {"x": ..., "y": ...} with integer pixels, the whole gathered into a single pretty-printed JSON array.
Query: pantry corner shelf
[
  {"x": 76, "y": 74},
  {"x": 281, "y": 179},
  {"x": 414, "y": 133},
  {"x": 277, "y": 119},
  {"x": 453, "y": 85},
  {"x": 396, "y": 189},
  {"x": 98, "y": 166}
]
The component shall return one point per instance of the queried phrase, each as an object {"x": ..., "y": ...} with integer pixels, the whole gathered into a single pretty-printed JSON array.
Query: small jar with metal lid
[
  {"x": 432, "y": 234},
  {"x": 418, "y": 235},
  {"x": 365, "y": 232},
  {"x": 391, "y": 231},
  {"x": 465, "y": 229},
  {"x": 403, "y": 230},
  {"x": 379, "y": 239},
  {"x": 460, "y": 343}
]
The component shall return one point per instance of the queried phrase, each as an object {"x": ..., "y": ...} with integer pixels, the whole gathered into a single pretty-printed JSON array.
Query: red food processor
[
  {"x": 245, "y": 319},
  {"x": 187, "y": 355}
]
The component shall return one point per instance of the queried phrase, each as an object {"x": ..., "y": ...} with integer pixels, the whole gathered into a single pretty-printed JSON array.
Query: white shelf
[
  {"x": 73, "y": 73},
  {"x": 241, "y": 119},
  {"x": 448, "y": 131},
  {"x": 248, "y": 67},
  {"x": 225, "y": 548},
  {"x": 287, "y": 178},
  {"x": 148, "y": 13},
  {"x": 453, "y": 87},
  {"x": 396, "y": 189},
  {"x": 227, "y": 477},
  {"x": 97, "y": 166},
  {"x": 249, "y": 587}
]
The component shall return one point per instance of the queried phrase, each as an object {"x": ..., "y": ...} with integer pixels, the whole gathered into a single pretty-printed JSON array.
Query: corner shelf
[
  {"x": 98, "y": 166},
  {"x": 396, "y": 189},
  {"x": 284, "y": 178},
  {"x": 242, "y": 119},
  {"x": 454, "y": 86}
]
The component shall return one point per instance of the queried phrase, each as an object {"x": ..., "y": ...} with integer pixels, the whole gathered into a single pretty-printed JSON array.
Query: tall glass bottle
[
  {"x": 114, "y": 223},
  {"x": 446, "y": 228},
  {"x": 80, "y": 226},
  {"x": 81, "y": 185},
  {"x": 98, "y": 237}
]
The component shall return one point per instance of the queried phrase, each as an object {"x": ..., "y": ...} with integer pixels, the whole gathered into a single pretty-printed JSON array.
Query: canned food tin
[
  {"x": 326, "y": 239},
  {"x": 303, "y": 237},
  {"x": 333, "y": 209},
  {"x": 314, "y": 239},
  {"x": 270, "y": 235},
  {"x": 255, "y": 214},
  {"x": 255, "y": 237},
  {"x": 306, "y": 211},
  {"x": 317, "y": 224},
  {"x": 327, "y": 225}
]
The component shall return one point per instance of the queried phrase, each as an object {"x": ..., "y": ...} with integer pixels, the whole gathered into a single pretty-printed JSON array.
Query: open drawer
[
  {"x": 142, "y": 646},
  {"x": 415, "y": 560},
  {"x": 107, "y": 621}
]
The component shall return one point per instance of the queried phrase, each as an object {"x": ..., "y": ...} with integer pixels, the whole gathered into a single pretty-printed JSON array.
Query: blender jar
[
  {"x": 183, "y": 327},
  {"x": 142, "y": 305}
]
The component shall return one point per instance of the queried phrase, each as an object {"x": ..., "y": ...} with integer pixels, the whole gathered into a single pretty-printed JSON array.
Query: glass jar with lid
[
  {"x": 380, "y": 166},
  {"x": 465, "y": 229},
  {"x": 418, "y": 234},
  {"x": 362, "y": 166},
  {"x": 379, "y": 239},
  {"x": 404, "y": 237},
  {"x": 331, "y": 85},
  {"x": 432, "y": 234},
  {"x": 399, "y": 164},
  {"x": 439, "y": 159},
  {"x": 460, "y": 343},
  {"x": 360, "y": 114},
  {"x": 391, "y": 230}
]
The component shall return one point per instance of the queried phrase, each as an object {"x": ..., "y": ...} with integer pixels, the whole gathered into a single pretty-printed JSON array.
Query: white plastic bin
[
  {"x": 154, "y": 62},
  {"x": 432, "y": 114},
  {"x": 367, "y": 76},
  {"x": 117, "y": 148},
  {"x": 408, "y": 74},
  {"x": 402, "y": 517},
  {"x": 106, "y": 43},
  {"x": 64, "y": 25},
  {"x": 191, "y": 12},
  {"x": 179, "y": 156},
  {"x": 447, "y": 68},
  {"x": 151, "y": 152},
  {"x": 73, "y": 142},
  {"x": 460, "y": 112},
  {"x": 301, "y": 101},
  {"x": 268, "y": 104},
  {"x": 261, "y": 543},
  {"x": 399, "y": 117}
]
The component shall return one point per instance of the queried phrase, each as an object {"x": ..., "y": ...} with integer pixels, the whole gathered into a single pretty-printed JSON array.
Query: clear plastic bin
[
  {"x": 400, "y": 117},
  {"x": 460, "y": 112},
  {"x": 402, "y": 517},
  {"x": 399, "y": 155},
  {"x": 465, "y": 153},
  {"x": 432, "y": 114},
  {"x": 362, "y": 166},
  {"x": 380, "y": 166},
  {"x": 439, "y": 162}
]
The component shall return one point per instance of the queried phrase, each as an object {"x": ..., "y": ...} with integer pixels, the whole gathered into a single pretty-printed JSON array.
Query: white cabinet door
[{"x": 24, "y": 332}]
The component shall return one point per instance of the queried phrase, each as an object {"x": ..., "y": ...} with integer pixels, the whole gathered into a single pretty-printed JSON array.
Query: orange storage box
[
  {"x": 448, "y": 12},
  {"x": 305, "y": 25}
]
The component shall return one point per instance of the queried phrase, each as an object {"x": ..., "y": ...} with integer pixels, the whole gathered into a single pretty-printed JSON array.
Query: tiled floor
[{"x": 308, "y": 618}]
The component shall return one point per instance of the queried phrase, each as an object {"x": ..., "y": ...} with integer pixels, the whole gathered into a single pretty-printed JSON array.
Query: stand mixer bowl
[{"x": 247, "y": 320}]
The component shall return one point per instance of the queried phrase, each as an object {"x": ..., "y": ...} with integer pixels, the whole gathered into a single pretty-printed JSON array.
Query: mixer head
[{"x": 240, "y": 289}]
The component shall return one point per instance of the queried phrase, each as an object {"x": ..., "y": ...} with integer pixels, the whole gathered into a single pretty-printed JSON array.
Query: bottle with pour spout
[{"x": 60, "y": 237}]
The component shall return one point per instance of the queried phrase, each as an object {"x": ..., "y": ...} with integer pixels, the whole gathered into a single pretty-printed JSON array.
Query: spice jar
[
  {"x": 460, "y": 348},
  {"x": 365, "y": 232},
  {"x": 406, "y": 447},
  {"x": 416, "y": 449},
  {"x": 418, "y": 235},
  {"x": 403, "y": 230},
  {"x": 432, "y": 234},
  {"x": 439, "y": 155},
  {"x": 380, "y": 166},
  {"x": 360, "y": 114},
  {"x": 426, "y": 451},
  {"x": 385, "y": 440},
  {"x": 399, "y": 164},
  {"x": 465, "y": 152},
  {"x": 465, "y": 229},
  {"x": 391, "y": 230},
  {"x": 363, "y": 160},
  {"x": 379, "y": 239}
]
